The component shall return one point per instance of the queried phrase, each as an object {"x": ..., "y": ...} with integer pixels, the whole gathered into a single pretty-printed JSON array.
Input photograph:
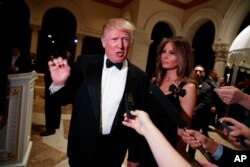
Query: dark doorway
[
  {"x": 56, "y": 36},
  {"x": 160, "y": 31},
  {"x": 14, "y": 29},
  {"x": 245, "y": 23},
  {"x": 92, "y": 45},
  {"x": 202, "y": 45}
]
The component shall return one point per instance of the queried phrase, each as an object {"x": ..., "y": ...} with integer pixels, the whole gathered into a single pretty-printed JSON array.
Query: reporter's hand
[
  {"x": 139, "y": 123},
  {"x": 188, "y": 138},
  {"x": 229, "y": 94},
  {"x": 181, "y": 132},
  {"x": 196, "y": 139},
  {"x": 238, "y": 129}
]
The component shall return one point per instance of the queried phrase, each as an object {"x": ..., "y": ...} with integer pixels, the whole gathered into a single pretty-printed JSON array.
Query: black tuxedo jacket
[
  {"x": 204, "y": 98},
  {"x": 84, "y": 89},
  {"x": 23, "y": 65}
]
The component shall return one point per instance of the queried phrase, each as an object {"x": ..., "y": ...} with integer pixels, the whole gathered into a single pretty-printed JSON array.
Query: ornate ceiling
[
  {"x": 184, "y": 4},
  {"x": 115, "y": 3}
]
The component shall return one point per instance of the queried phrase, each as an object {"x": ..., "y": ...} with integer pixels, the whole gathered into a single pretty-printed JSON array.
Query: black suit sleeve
[
  {"x": 204, "y": 99},
  {"x": 141, "y": 88}
]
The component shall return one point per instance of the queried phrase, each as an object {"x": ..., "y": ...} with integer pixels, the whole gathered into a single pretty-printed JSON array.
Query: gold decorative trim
[
  {"x": 10, "y": 150},
  {"x": 185, "y": 5}
]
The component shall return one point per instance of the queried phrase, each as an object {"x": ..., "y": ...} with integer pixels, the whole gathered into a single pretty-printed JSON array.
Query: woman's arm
[
  {"x": 164, "y": 153},
  {"x": 233, "y": 95},
  {"x": 188, "y": 102}
]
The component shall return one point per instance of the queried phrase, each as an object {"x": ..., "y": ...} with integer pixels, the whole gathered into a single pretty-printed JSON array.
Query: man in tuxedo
[
  {"x": 201, "y": 114},
  {"x": 18, "y": 63},
  {"x": 212, "y": 78},
  {"x": 203, "y": 103},
  {"x": 52, "y": 107},
  {"x": 217, "y": 106},
  {"x": 99, "y": 85}
]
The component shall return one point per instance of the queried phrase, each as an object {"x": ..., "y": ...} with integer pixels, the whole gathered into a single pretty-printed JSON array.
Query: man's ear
[{"x": 103, "y": 42}]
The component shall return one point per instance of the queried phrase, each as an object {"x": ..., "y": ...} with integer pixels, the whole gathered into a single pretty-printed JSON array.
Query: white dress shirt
[{"x": 113, "y": 86}]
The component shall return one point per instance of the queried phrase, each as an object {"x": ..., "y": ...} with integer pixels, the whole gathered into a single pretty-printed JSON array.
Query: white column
[
  {"x": 15, "y": 141},
  {"x": 221, "y": 52},
  {"x": 34, "y": 38},
  {"x": 140, "y": 49}
]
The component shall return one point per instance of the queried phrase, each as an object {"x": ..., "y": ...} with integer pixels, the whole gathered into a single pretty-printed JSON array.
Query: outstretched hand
[
  {"x": 196, "y": 139},
  {"x": 233, "y": 95},
  {"x": 139, "y": 123},
  {"x": 59, "y": 71},
  {"x": 238, "y": 129},
  {"x": 229, "y": 94}
]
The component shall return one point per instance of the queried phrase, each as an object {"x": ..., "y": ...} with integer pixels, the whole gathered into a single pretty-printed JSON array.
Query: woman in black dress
[{"x": 173, "y": 75}]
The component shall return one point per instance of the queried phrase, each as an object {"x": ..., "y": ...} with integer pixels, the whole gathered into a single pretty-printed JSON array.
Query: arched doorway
[
  {"x": 56, "y": 36},
  {"x": 92, "y": 45},
  {"x": 14, "y": 29},
  {"x": 202, "y": 45},
  {"x": 160, "y": 30}
]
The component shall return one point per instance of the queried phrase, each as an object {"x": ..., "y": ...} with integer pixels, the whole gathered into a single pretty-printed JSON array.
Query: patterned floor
[{"x": 48, "y": 151}]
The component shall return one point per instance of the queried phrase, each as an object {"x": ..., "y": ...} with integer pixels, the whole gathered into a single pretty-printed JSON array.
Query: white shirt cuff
[{"x": 53, "y": 88}]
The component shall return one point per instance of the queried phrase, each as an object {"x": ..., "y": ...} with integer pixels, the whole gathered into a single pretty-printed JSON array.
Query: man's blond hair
[{"x": 118, "y": 24}]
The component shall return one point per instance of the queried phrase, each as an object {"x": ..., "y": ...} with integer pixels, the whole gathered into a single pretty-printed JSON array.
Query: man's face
[
  {"x": 215, "y": 76},
  {"x": 116, "y": 44},
  {"x": 199, "y": 72},
  {"x": 14, "y": 52}
]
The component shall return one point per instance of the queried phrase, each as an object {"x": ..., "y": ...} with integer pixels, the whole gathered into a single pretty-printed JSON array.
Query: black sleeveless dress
[{"x": 162, "y": 121}]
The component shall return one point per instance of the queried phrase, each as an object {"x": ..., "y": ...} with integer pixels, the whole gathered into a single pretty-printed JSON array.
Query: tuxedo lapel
[
  {"x": 130, "y": 87},
  {"x": 93, "y": 79},
  {"x": 132, "y": 81},
  {"x": 94, "y": 74}
]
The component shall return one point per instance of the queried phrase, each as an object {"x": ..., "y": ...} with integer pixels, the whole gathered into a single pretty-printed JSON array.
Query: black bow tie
[{"x": 110, "y": 64}]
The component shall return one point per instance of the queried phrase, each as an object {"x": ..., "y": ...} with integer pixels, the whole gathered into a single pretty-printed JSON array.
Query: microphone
[{"x": 129, "y": 104}]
